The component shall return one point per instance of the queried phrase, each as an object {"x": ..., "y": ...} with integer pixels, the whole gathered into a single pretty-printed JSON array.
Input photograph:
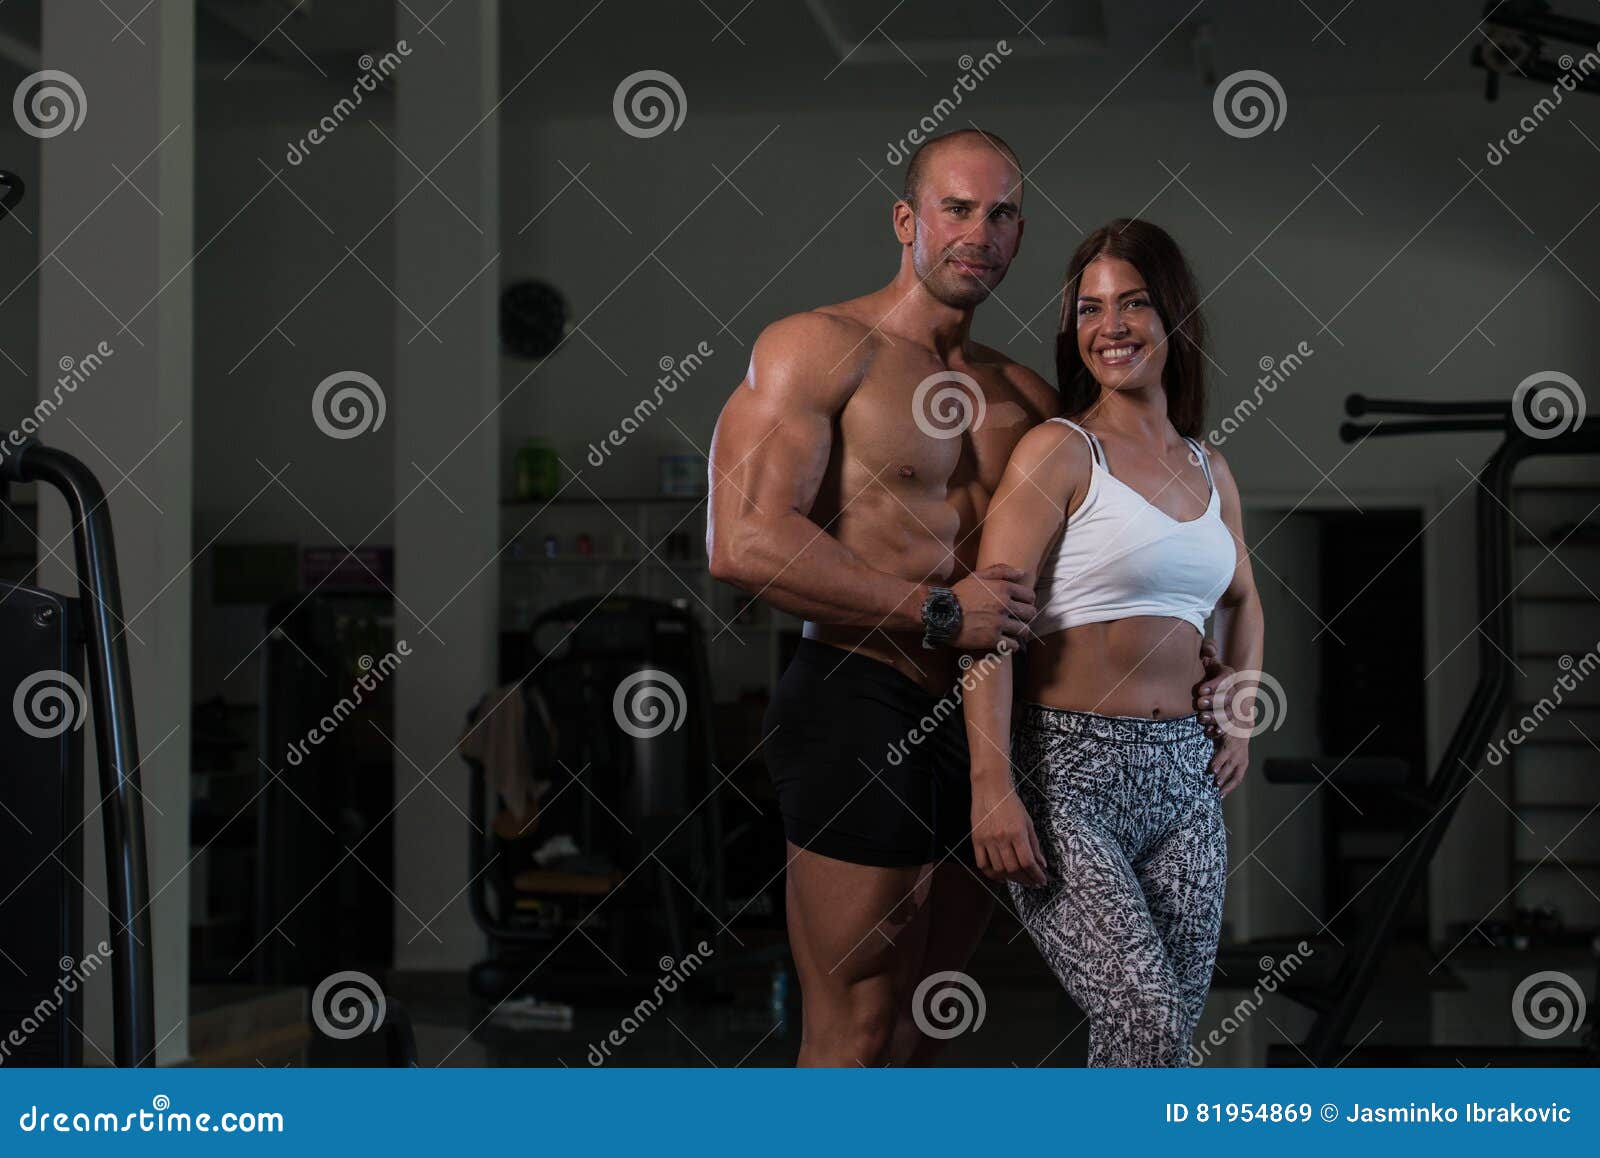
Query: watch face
[{"x": 942, "y": 610}]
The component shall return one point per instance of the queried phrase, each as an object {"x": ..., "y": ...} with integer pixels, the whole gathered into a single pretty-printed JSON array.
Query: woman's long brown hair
[{"x": 1150, "y": 250}]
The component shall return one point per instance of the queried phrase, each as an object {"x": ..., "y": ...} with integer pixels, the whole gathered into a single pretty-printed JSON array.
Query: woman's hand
[
  {"x": 1230, "y": 762},
  {"x": 1003, "y": 840}
]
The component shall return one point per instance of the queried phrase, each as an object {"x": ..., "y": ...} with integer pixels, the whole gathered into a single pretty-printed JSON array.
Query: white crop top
[{"x": 1120, "y": 556}]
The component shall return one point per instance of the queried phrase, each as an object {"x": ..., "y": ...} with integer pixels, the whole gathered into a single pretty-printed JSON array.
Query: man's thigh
[
  {"x": 858, "y": 933},
  {"x": 960, "y": 905}
]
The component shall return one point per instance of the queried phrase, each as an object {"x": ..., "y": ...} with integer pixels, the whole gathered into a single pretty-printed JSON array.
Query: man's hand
[
  {"x": 995, "y": 605},
  {"x": 1213, "y": 695},
  {"x": 1230, "y": 762},
  {"x": 1003, "y": 840}
]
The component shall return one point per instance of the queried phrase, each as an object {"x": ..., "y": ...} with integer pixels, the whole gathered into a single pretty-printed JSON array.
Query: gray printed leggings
[{"x": 1130, "y": 822}]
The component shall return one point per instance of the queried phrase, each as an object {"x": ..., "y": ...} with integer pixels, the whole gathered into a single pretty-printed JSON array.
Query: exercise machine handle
[
  {"x": 116, "y": 744},
  {"x": 1356, "y": 431},
  {"x": 1474, "y": 414},
  {"x": 1356, "y": 405}
]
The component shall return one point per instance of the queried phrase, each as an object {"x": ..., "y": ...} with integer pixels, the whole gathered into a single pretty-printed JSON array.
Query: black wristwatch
[{"x": 941, "y": 617}]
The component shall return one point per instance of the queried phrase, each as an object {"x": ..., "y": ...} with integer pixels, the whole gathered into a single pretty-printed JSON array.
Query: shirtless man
[{"x": 850, "y": 472}]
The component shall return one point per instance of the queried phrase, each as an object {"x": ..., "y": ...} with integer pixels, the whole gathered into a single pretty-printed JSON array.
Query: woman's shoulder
[
  {"x": 1054, "y": 446},
  {"x": 1219, "y": 464}
]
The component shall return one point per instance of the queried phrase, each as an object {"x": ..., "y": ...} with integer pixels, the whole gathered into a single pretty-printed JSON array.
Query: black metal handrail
[{"x": 116, "y": 741}]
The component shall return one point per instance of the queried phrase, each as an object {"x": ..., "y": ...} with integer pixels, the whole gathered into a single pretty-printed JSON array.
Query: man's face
[{"x": 968, "y": 221}]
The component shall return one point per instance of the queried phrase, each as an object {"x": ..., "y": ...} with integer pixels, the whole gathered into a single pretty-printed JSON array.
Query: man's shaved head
[{"x": 917, "y": 166}]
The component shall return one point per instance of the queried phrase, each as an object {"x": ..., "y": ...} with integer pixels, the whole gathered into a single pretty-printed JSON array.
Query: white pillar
[
  {"x": 447, "y": 450},
  {"x": 116, "y": 235}
]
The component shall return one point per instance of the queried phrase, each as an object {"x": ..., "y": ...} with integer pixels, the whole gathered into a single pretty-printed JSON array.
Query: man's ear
[{"x": 904, "y": 215}]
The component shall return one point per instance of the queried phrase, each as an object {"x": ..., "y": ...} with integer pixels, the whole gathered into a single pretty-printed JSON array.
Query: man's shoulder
[
  {"x": 823, "y": 325},
  {"x": 820, "y": 349}
]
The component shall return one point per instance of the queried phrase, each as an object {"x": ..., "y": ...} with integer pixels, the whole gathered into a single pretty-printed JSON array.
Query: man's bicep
[{"x": 770, "y": 452}]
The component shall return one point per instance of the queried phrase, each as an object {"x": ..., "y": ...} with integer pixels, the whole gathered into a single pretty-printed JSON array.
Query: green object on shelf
[{"x": 538, "y": 471}]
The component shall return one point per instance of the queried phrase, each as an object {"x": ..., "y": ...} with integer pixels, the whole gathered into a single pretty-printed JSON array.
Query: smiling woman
[
  {"x": 1163, "y": 280},
  {"x": 1110, "y": 833}
]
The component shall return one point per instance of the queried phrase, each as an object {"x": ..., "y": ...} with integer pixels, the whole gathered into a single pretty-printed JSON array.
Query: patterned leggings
[{"x": 1130, "y": 822}]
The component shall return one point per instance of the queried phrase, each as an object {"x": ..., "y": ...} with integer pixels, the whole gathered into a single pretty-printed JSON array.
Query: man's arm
[{"x": 768, "y": 455}]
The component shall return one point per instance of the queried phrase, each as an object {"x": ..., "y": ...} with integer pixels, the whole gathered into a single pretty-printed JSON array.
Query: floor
[{"x": 1027, "y": 1020}]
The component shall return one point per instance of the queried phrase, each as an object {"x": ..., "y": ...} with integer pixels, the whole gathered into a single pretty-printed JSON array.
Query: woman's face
[{"x": 1120, "y": 335}]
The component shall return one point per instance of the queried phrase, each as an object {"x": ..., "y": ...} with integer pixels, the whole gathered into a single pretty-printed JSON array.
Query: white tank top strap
[
  {"x": 1094, "y": 443},
  {"x": 1205, "y": 460}
]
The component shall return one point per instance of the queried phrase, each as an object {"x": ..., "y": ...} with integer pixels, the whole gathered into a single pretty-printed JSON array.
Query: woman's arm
[
  {"x": 1242, "y": 630},
  {"x": 1043, "y": 481}
]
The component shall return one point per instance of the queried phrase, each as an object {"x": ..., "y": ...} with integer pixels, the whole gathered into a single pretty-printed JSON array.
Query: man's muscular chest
[{"x": 919, "y": 427}]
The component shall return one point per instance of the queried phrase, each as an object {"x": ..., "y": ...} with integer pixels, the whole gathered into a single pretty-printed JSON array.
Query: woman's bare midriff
[{"x": 1142, "y": 666}]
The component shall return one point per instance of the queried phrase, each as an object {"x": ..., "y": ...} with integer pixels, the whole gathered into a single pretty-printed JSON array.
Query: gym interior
[{"x": 361, "y": 363}]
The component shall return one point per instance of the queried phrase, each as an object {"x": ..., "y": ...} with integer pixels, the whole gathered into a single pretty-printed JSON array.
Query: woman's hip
[{"x": 1126, "y": 761}]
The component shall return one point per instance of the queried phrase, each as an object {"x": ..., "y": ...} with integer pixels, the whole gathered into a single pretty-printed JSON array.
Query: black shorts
[{"x": 868, "y": 766}]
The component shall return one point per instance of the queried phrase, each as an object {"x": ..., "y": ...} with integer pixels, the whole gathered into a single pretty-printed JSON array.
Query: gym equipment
[
  {"x": 1525, "y": 39},
  {"x": 41, "y": 788},
  {"x": 324, "y": 826},
  {"x": 1338, "y": 1002},
  {"x": 639, "y": 805}
]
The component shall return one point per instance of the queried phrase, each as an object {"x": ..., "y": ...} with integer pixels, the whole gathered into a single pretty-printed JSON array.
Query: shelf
[
  {"x": 1576, "y": 539},
  {"x": 1563, "y": 863},
  {"x": 604, "y": 560},
  {"x": 605, "y": 500}
]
